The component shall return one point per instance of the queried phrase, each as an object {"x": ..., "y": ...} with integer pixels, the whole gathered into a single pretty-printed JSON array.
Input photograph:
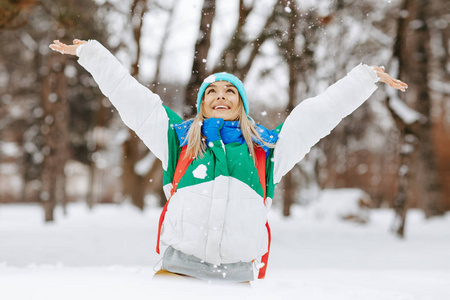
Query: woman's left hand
[
  {"x": 67, "y": 49},
  {"x": 386, "y": 78}
]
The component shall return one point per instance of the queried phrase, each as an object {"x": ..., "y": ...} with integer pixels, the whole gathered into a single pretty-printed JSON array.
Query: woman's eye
[
  {"x": 230, "y": 91},
  {"x": 210, "y": 91}
]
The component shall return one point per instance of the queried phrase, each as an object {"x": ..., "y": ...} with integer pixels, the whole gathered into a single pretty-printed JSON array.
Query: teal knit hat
[{"x": 223, "y": 77}]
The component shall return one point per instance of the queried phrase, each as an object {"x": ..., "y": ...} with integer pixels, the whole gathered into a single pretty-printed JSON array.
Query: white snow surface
[
  {"x": 109, "y": 253},
  {"x": 332, "y": 203}
]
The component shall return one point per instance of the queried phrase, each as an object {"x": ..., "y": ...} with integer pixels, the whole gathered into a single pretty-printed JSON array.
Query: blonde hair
[{"x": 196, "y": 146}]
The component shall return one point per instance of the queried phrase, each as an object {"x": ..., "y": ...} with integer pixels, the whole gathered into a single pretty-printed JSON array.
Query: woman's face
[{"x": 221, "y": 100}]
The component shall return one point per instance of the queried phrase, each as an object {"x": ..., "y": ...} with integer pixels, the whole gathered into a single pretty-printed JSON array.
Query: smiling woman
[
  {"x": 222, "y": 96},
  {"x": 220, "y": 169},
  {"x": 221, "y": 100}
]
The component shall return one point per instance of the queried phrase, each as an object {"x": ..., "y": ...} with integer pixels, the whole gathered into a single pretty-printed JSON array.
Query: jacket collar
[{"x": 228, "y": 131}]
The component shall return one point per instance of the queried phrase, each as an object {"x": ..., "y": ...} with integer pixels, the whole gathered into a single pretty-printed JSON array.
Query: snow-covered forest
[{"x": 369, "y": 203}]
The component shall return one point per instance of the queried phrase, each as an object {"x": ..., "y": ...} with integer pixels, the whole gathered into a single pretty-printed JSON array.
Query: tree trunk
[
  {"x": 412, "y": 51},
  {"x": 162, "y": 49},
  {"x": 293, "y": 61},
  {"x": 156, "y": 173},
  {"x": 91, "y": 199},
  {"x": 238, "y": 43},
  {"x": 406, "y": 172},
  {"x": 417, "y": 167},
  {"x": 155, "y": 177},
  {"x": 439, "y": 63},
  {"x": 288, "y": 194},
  {"x": 228, "y": 61},
  {"x": 428, "y": 174},
  {"x": 55, "y": 132},
  {"x": 202, "y": 45},
  {"x": 133, "y": 184}
]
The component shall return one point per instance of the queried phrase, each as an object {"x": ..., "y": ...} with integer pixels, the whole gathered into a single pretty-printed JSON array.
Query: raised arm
[
  {"x": 140, "y": 109},
  {"x": 314, "y": 118}
]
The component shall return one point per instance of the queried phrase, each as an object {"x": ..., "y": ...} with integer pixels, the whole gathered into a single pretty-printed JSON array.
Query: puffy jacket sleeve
[
  {"x": 140, "y": 109},
  {"x": 314, "y": 118}
]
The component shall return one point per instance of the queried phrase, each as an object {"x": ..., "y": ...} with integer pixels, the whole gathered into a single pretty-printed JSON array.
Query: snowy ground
[{"x": 109, "y": 253}]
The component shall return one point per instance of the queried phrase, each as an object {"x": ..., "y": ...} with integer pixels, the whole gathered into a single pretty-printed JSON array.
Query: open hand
[
  {"x": 386, "y": 78},
  {"x": 66, "y": 49}
]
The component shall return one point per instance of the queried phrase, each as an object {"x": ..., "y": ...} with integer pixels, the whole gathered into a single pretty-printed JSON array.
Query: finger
[
  {"x": 59, "y": 43},
  {"x": 390, "y": 81},
  {"x": 396, "y": 84},
  {"x": 377, "y": 69},
  {"x": 57, "y": 48},
  {"x": 399, "y": 87},
  {"x": 395, "y": 81},
  {"x": 401, "y": 83},
  {"x": 79, "y": 41}
]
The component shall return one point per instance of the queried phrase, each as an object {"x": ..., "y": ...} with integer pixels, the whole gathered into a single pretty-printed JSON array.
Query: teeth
[{"x": 220, "y": 106}]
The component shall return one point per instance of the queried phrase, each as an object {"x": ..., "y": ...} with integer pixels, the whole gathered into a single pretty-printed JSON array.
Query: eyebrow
[{"x": 228, "y": 86}]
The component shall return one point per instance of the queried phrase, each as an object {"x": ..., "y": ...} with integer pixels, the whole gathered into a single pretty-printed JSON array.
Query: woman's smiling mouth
[{"x": 220, "y": 107}]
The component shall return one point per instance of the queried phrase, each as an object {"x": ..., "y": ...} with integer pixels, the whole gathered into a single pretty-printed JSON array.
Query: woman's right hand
[
  {"x": 67, "y": 49},
  {"x": 386, "y": 78}
]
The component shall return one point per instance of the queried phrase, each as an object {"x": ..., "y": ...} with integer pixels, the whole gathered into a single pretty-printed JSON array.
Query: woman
[{"x": 220, "y": 169}]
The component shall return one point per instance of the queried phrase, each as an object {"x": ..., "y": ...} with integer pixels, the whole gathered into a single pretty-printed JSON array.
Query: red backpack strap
[
  {"x": 182, "y": 165},
  {"x": 261, "y": 167}
]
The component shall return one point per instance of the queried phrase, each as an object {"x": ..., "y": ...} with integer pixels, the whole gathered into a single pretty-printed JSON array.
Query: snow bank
[
  {"x": 345, "y": 204},
  {"x": 109, "y": 252}
]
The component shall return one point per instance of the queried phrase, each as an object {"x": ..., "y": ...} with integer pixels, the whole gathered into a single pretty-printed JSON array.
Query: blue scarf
[{"x": 228, "y": 131}]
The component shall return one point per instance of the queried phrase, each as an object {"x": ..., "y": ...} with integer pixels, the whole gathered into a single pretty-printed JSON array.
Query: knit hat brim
[{"x": 223, "y": 77}]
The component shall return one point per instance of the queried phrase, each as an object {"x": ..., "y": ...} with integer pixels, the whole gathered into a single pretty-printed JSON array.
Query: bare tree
[
  {"x": 133, "y": 185},
  {"x": 136, "y": 185},
  {"x": 200, "y": 55},
  {"x": 409, "y": 144},
  {"x": 300, "y": 62},
  {"x": 418, "y": 165},
  {"x": 162, "y": 48},
  {"x": 155, "y": 173},
  {"x": 291, "y": 53},
  {"x": 240, "y": 42},
  {"x": 55, "y": 132},
  {"x": 412, "y": 51},
  {"x": 41, "y": 85},
  {"x": 440, "y": 95},
  {"x": 228, "y": 61}
]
